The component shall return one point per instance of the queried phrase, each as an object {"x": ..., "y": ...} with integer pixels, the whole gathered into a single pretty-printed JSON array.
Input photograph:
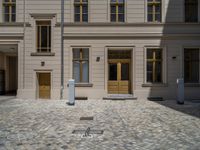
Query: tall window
[
  {"x": 191, "y": 65},
  {"x": 154, "y": 66},
  {"x": 81, "y": 10},
  {"x": 81, "y": 65},
  {"x": 9, "y": 7},
  {"x": 117, "y": 10},
  {"x": 191, "y": 10},
  {"x": 43, "y": 36},
  {"x": 154, "y": 10}
]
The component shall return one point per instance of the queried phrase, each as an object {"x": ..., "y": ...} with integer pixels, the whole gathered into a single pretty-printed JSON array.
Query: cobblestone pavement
[{"x": 128, "y": 125}]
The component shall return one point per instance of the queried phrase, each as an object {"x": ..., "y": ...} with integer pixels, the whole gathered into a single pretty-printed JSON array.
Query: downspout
[
  {"x": 24, "y": 44},
  {"x": 62, "y": 49}
]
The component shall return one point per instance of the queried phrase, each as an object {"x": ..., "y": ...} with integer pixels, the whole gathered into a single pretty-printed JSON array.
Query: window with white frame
[
  {"x": 154, "y": 10},
  {"x": 192, "y": 65},
  {"x": 9, "y": 10},
  {"x": 81, "y": 65},
  {"x": 154, "y": 65}
]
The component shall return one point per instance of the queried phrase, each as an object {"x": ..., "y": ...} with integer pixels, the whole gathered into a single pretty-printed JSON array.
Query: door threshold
[{"x": 120, "y": 97}]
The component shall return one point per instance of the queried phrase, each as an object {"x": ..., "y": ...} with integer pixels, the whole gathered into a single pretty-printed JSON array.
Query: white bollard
[
  {"x": 180, "y": 91},
  {"x": 71, "y": 92}
]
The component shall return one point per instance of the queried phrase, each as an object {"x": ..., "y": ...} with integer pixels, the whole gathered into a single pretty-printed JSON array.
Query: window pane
[
  {"x": 113, "y": 17},
  {"x": 157, "y": 17},
  {"x": 6, "y": 17},
  {"x": 38, "y": 38},
  {"x": 77, "y": 9},
  {"x": 85, "y": 9},
  {"x": 121, "y": 9},
  {"x": 149, "y": 54},
  {"x": 158, "y": 72},
  {"x": 191, "y": 65},
  {"x": 149, "y": 72},
  {"x": 76, "y": 53},
  {"x": 150, "y": 17},
  {"x": 125, "y": 71},
  {"x": 158, "y": 54},
  {"x": 121, "y": 17},
  {"x": 85, "y": 53},
  {"x": 76, "y": 71},
  {"x": 44, "y": 36},
  {"x": 113, "y": 9},
  {"x": 85, "y": 17},
  {"x": 77, "y": 17},
  {"x": 85, "y": 75},
  {"x": 6, "y": 9},
  {"x": 113, "y": 72}
]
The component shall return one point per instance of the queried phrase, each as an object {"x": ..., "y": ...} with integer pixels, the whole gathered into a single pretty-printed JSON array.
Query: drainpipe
[
  {"x": 24, "y": 15},
  {"x": 62, "y": 49}
]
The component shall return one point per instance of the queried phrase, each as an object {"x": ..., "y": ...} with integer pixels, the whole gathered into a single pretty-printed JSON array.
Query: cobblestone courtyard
[{"x": 136, "y": 124}]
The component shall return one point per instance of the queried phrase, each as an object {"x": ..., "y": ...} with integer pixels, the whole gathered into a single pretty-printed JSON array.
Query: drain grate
[
  {"x": 88, "y": 132},
  {"x": 86, "y": 118}
]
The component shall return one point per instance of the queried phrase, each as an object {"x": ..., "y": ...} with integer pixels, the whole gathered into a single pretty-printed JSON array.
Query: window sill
[
  {"x": 192, "y": 84},
  {"x": 154, "y": 85},
  {"x": 42, "y": 54},
  {"x": 82, "y": 85}
]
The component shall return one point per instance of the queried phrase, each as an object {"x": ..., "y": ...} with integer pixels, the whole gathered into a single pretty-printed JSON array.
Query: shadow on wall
[{"x": 172, "y": 61}]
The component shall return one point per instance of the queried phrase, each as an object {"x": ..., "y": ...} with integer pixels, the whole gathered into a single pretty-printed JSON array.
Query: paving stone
[{"x": 141, "y": 124}]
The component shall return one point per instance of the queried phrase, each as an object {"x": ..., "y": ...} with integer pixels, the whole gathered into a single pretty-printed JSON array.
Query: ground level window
[
  {"x": 154, "y": 66},
  {"x": 191, "y": 65},
  {"x": 81, "y": 65}
]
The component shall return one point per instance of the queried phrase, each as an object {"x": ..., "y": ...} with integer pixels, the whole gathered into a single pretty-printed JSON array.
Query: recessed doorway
[
  {"x": 119, "y": 72},
  {"x": 44, "y": 85}
]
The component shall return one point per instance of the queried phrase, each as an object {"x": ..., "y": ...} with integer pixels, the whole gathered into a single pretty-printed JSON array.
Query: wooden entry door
[
  {"x": 44, "y": 85},
  {"x": 119, "y": 76}
]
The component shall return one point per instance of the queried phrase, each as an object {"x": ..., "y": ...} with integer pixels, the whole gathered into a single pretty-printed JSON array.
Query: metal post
[{"x": 62, "y": 48}]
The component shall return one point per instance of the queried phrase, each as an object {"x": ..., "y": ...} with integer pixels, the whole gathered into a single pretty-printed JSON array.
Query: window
[
  {"x": 117, "y": 10},
  {"x": 81, "y": 65},
  {"x": 81, "y": 10},
  {"x": 154, "y": 10},
  {"x": 191, "y": 10},
  {"x": 43, "y": 36},
  {"x": 154, "y": 66},
  {"x": 9, "y": 7},
  {"x": 191, "y": 65}
]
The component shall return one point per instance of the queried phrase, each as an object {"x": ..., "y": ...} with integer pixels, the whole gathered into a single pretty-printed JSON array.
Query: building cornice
[
  {"x": 128, "y": 36},
  {"x": 126, "y": 24},
  {"x": 13, "y": 24}
]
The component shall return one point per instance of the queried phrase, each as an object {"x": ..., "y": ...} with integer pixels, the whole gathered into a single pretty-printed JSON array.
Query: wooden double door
[
  {"x": 44, "y": 85},
  {"x": 119, "y": 76}
]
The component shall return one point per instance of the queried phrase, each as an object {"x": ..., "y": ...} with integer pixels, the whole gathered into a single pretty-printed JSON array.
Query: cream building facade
[{"x": 134, "y": 47}]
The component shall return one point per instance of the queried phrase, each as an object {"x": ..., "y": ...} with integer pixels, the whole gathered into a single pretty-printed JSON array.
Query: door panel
[
  {"x": 44, "y": 85},
  {"x": 119, "y": 77}
]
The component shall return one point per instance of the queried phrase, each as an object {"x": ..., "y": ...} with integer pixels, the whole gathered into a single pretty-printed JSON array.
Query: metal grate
[{"x": 86, "y": 118}]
